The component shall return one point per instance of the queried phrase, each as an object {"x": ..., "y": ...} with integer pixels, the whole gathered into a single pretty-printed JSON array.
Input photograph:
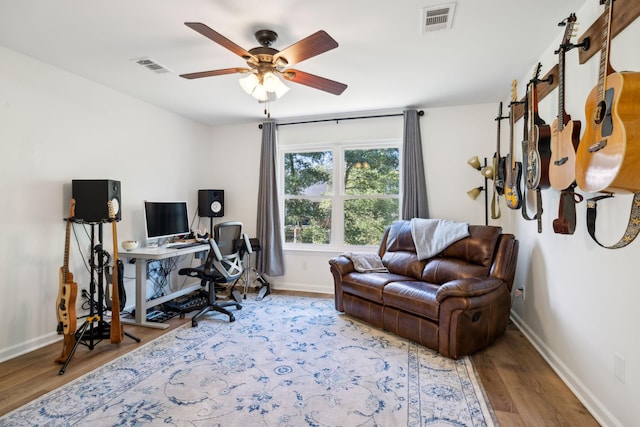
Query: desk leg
[{"x": 141, "y": 299}]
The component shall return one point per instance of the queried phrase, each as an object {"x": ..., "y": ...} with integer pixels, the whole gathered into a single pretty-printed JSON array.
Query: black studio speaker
[
  {"x": 211, "y": 203},
  {"x": 92, "y": 196}
]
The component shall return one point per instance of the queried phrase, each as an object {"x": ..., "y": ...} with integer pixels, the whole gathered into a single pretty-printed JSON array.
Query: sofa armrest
[
  {"x": 342, "y": 265},
  {"x": 468, "y": 287}
]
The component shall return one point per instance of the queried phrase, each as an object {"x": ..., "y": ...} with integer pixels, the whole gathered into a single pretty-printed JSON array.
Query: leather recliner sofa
[{"x": 455, "y": 303}]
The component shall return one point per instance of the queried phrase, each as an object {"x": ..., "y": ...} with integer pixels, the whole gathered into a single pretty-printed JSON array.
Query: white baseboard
[
  {"x": 593, "y": 404},
  {"x": 28, "y": 346}
]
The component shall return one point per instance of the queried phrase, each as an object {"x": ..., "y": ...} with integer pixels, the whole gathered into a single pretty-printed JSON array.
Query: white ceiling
[{"x": 383, "y": 56}]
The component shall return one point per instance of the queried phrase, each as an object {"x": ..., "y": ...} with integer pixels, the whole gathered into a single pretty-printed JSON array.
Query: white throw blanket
[
  {"x": 366, "y": 262},
  {"x": 432, "y": 236}
]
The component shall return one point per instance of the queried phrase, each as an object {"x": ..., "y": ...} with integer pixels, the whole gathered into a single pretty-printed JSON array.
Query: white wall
[
  {"x": 55, "y": 127},
  {"x": 580, "y": 299}
]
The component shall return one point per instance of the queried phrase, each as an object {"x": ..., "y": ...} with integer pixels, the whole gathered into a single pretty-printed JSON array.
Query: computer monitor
[{"x": 165, "y": 219}]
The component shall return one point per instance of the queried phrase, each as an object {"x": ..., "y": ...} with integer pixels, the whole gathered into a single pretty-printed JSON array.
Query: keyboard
[{"x": 182, "y": 245}]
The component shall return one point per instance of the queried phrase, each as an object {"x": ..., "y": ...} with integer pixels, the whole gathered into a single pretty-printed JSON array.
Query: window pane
[
  {"x": 307, "y": 221},
  {"x": 372, "y": 171},
  {"x": 308, "y": 174},
  {"x": 366, "y": 219}
]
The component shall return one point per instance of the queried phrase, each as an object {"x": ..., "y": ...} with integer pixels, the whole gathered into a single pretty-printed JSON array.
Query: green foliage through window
[{"x": 367, "y": 195}]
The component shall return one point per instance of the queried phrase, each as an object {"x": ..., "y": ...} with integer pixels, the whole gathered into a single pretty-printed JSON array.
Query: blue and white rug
[{"x": 286, "y": 361}]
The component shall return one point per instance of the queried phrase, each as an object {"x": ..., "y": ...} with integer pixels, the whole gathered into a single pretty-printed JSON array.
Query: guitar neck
[{"x": 605, "y": 66}]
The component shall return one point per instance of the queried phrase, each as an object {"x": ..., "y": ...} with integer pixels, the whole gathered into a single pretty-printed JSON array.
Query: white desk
[{"x": 143, "y": 254}]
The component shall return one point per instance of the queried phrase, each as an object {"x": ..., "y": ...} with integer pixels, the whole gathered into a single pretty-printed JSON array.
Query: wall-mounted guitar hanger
[{"x": 625, "y": 12}]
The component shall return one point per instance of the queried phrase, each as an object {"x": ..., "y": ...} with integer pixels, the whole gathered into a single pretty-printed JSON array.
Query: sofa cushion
[
  {"x": 403, "y": 263},
  {"x": 478, "y": 248},
  {"x": 442, "y": 270},
  {"x": 369, "y": 285},
  {"x": 400, "y": 238},
  {"x": 414, "y": 297}
]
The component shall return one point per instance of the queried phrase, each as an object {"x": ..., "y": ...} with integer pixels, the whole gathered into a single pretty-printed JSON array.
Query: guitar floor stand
[
  {"x": 95, "y": 328},
  {"x": 251, "y": 276}
]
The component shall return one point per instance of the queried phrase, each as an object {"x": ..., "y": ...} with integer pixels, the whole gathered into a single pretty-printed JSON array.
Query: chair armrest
[
  {"x": 469, "y": 287},
  {"x": 342, "y": 265}
]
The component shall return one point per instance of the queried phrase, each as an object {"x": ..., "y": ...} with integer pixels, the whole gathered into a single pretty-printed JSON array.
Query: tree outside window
[{"x": 354, "y": 211}]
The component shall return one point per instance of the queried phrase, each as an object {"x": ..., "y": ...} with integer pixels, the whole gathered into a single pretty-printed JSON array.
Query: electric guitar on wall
[
  {"x": 67, "y": 292},
  {"x": 116, "y": 332},
  {"x": 539, "y": 140},
  {"x": 513, "y": 172},
  {"x": 499, "y": 162},
  {"x": 608, "y": 155},
  {"x": 565, "y": 133}
]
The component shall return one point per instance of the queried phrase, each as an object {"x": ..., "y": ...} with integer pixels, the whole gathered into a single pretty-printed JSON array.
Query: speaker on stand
[
  {"x": 92, "y": 196},
  {"x": 211, "y": 205}
]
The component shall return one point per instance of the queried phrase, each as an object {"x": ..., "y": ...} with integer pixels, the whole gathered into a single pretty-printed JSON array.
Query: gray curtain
[
  {"x": 414, "y": 197},
  {"x": 270, "y": 259}
]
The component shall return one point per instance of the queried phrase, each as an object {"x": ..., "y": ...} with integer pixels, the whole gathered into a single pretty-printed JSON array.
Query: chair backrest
[{"x": 224, "y": 254}]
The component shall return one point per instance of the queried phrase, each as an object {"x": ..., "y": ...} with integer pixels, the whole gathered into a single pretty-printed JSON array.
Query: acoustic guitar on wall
[
  {"x": 67, "y": 292},
  {"x": 608, "y": 155},
  {"x": 513, "y": 172},
  {"x": 565, "y": 133}
]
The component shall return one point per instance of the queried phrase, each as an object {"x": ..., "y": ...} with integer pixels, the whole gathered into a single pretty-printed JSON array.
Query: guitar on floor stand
[{"x": 95, "y": 328}]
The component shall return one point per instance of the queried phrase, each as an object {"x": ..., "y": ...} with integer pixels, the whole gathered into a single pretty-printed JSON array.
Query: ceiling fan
[{"x": 265, "y": 63}]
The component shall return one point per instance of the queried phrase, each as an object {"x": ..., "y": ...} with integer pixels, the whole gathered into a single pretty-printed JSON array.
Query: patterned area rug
[{"x": 285, "y": 361}]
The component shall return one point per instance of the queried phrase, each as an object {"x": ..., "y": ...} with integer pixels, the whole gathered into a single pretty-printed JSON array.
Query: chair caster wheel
[
  {"x": 194, "y": 323},
  {"x": 232, "y": 318},
  {"x": 182, "y": 315}
]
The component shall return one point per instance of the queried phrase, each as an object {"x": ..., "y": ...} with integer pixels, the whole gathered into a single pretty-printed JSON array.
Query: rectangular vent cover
[
  {"x": 151, "y": 65},
  {"x": 436, "y": 18}
]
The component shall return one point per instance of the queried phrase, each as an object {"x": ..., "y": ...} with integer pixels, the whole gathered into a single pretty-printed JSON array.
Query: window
[{"x": 340, "y": 195}]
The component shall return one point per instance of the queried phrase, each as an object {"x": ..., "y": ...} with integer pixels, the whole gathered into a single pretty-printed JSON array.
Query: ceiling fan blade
[
  {"x": 219, "y": 38},
  {"x": 212, "y": 73},
  {"x": 306, "y": 48},
  {"x": 315, "y": 82}
]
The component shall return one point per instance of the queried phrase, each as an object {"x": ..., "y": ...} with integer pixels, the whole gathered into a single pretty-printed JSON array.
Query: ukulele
[
  {"x": 499, "y": 162},
  {"x": 116, "y": 332},
  {"x": 565, "y": 133},
  {"x": 539, "y": 140},
  {"x": 513, "y": 170},
  {"x": 67, "y": 292},
  {"x": 608, "y": 155}
]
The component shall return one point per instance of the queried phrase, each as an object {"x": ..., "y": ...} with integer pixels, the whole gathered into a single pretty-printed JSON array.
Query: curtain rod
[{"x": 420, "y": 114}]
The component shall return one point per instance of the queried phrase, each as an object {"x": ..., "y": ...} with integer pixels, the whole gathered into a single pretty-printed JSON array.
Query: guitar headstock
[
  {"x": 112, "y": 212},
  {"x": 536, "y": 72},
  {"x": 514, "y": 90},
  {"x": 72, "y": 208},
  {"x": 570, "y": 23}
]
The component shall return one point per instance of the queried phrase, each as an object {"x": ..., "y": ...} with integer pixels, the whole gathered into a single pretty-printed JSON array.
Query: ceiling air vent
[
  {"x": 436, "y": 18},
  {"x": 151, "y": 65}
]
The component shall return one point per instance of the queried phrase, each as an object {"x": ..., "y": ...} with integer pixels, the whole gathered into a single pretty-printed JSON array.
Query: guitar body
[
  {"x": 67, "y": 293},
  {"x": 499, "y": 174},
  {"x": 512, "y": 193},
  {"x": 608, "y": 155},
  {"x": 564, "y": 143},
  {"x": 538, "y": 157}
]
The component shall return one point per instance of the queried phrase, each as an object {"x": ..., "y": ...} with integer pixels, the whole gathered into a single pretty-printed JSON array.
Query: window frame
[{"x": 338, "y": 196}]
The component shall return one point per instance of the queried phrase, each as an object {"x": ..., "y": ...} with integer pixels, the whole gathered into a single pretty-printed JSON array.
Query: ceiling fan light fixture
[
  {"x": 249, "y": 83},
  {"x": 260, "y": 93}
]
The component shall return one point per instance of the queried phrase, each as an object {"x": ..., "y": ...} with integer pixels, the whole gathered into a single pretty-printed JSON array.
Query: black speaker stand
[{"x": 94, "y": 328}]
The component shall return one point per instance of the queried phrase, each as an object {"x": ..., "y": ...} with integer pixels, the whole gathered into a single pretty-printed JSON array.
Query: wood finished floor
[{"x": 522, "y": 388}]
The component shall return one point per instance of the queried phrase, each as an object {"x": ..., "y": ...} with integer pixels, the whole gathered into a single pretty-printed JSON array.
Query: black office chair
[{"x": 222, "y": 266}]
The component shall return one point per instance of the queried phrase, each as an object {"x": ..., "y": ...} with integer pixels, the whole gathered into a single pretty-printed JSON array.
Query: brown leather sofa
[{"x": 456, "y": 302}]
